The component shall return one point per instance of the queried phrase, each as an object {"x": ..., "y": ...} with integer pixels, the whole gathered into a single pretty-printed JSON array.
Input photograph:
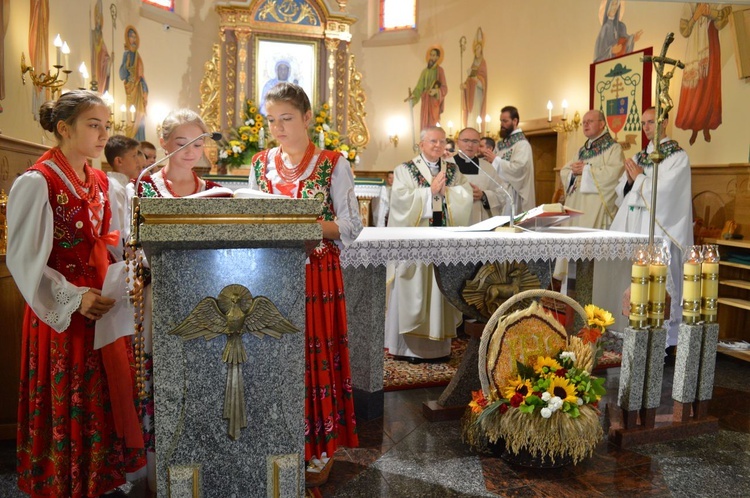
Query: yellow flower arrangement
[
  {"x": 328, "y": 138},
  {"x": 245, "y": 140}
]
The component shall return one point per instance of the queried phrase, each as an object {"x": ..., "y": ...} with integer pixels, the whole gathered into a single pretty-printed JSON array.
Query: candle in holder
[
  {"x": 639, "y": 289},
  {"x": 58, "y": 43},
  {"x": 132, "y": 113},
  {"x": 66, "y": 54},
  {"x": 123, "y": 112},
  {"x": 321, "y": 140},
  {"x": 657, "y": 288},
  {"x": 691, "y": 287},
  {"x": 262, "y": 138},
  {"x": 710, "y": 283},
  {"x": 549, "y": 111}
]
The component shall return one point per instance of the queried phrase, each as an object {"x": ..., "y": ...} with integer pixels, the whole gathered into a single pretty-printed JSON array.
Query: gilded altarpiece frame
[{"x": 304, "y": 26}]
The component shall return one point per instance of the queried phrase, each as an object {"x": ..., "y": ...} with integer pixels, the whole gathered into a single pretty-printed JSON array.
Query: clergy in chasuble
[
  {"x": 590, "y": 180},
  {"x": 427, "y": 191}
]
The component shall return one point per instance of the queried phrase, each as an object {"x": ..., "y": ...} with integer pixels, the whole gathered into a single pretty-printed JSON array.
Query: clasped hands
[
  {"x": 437, "y": 187},
  {"x": 633, "y": 170}
]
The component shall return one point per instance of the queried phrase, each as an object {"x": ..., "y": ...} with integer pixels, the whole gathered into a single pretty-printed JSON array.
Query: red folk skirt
[
  {"x": 329, "y": 407},
  {"x": 67, "y": 443}
]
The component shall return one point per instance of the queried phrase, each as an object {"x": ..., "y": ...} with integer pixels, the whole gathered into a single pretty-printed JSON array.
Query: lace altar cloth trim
[{"x": 377, "y": 246}]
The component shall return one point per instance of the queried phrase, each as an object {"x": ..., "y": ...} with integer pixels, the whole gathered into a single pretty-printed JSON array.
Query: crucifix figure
[
  {"x": 233, "y": 314},
  {"x": 663, "y": 101},
  {"x": 663, "y": 105}
]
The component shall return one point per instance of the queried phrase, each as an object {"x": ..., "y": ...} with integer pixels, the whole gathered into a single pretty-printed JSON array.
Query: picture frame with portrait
[{"x": 285, "y": 60}]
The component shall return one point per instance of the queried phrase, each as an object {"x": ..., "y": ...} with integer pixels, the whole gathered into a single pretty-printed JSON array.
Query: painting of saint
[
  {"x": 136, "y": 90},
  {"x": 100, "y": 59},
  {"x": 700, "y": 95},
  {"x": 613, "y": 39},
  {"x": 431, "y": 89},
  {"x": 474, "y": 89}
]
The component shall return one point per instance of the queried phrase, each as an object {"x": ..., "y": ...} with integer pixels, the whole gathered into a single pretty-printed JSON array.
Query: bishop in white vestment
[{"x": 427, "y": 191}]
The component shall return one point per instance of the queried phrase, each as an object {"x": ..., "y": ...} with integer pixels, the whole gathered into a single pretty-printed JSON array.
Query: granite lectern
[{"x": 197, "y": 247}]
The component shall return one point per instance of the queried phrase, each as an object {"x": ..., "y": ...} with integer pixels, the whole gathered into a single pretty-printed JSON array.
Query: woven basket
[{"x": 489, "y": 329}]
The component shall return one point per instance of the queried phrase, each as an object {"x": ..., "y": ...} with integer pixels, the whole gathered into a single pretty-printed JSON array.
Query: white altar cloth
[{"x": 378, "y": 245}]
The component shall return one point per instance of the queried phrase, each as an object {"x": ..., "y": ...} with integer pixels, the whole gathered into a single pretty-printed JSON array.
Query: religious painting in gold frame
[
  {"x": 285, "y": 60},
  {"x": 621, "y": 88}
]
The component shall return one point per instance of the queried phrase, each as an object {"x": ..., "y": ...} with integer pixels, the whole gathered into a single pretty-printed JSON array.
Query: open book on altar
[
  {"x": 240, "y": 193},
  {"x": 544, "y": 215}
]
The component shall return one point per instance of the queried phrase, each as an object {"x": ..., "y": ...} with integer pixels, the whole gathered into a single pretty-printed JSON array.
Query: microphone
[
  {"x": 135, "y": 205},
  {"x": 510, "y": 198}
]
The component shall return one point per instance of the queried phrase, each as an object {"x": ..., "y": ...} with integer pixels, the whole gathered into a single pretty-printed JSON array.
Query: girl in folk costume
[
  {"x": 177, "y": 178},
  {"x": 298, "y": 169},
  {"x": 76, "y": 413}
]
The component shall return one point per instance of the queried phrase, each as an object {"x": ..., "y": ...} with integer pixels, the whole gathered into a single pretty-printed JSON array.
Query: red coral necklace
[
  {"x": 87, "y": 190},
  {"x": 197, "y": 185},
  {"x": 292, "y": 174}
]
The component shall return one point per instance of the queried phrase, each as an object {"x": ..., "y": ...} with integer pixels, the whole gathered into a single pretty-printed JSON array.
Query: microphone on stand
[
  {"x": 135, "y": 205},
  {"x": 505, "y": 191}
]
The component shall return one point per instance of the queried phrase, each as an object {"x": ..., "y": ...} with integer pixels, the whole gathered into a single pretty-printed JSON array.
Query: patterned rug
[{"x": 400, "y": 375}]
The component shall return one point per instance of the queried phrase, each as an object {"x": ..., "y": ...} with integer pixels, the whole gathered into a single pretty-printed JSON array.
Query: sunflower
[
  {"x": 545, "y": 361},
  {"x": 598, "y": 317},
  {"x": 518, "y": 385},
  {"x": 562, "y": 388}
]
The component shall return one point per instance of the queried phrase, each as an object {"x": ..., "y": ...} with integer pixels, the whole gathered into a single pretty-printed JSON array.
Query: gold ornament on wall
[
  {"x": 288, "y": 12},
  {"x": 233, "y": 314},
  {"x": 359, "y": 135},
  {"x": 210, "y": 95}
]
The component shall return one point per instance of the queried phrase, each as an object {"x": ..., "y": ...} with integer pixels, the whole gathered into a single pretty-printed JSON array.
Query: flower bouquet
[
  {"x": 328, "y": 138},
  {"x": 543, "y": 407},
  {"x": 245, "y": 140}
]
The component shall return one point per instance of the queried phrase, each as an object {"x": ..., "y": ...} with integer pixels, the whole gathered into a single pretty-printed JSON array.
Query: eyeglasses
[{"x": 469, "y": 141}]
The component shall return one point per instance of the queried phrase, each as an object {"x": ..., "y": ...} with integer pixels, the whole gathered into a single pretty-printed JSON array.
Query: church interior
[{"x": 544, "y": 57}]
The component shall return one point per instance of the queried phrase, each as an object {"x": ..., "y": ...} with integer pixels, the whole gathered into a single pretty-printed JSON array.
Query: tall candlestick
[
  {"x": 58, "y": 43},
  {"x": 638, "y": 295},
  {"x": 657, "y": 293},
  {"x": 657, "y": 287},
  {"x": 710, "y": 283},
  {"x": 549, "y": 111},
  {"x": 691, "y": 288}
]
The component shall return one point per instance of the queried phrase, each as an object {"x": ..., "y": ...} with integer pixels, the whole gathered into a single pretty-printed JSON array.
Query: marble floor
[{"x": 404, "y": 455}]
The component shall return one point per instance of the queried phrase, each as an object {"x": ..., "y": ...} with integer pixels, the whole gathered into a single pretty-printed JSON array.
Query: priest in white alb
[
  {"x": 427, "y": 191},
  {"x": 514, "y": 161},
  {"x": 674, "y": 213}
]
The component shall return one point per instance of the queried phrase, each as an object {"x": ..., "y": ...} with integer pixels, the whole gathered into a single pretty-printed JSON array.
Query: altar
[{"x": 365, "y": 260}]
